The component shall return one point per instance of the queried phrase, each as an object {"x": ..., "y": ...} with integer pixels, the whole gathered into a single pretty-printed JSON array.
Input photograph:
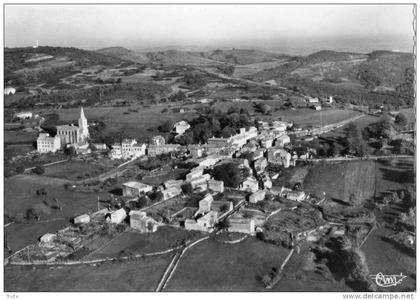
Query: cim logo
[{"x": 387, "y": 280}]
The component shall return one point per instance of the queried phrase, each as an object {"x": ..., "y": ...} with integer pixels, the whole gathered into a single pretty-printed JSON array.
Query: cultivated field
[
  {"x": 214, "y": 266},
  {"x": 342, "y": 180},
  {"x": 133, "y": 276},
  {"x": 76, "y": 170}
]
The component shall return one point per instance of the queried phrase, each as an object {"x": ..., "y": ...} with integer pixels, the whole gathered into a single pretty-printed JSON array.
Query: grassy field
[
  {"x": 19, "y": 136},
  {"x": 341, "y": 180},
  {"x": 306, "y": 116},
  {"x": 388, "y": 177},
  {"x": 76, "y": 170},
  {"x": 250, "y": 69},
  {"x": 382, "y": 256},
  {"x": 133, "y": 276},
  {"x": 164, "y": 238},
  {"x": 142, "y": 123},
  {"x": 214, "y": 266}
]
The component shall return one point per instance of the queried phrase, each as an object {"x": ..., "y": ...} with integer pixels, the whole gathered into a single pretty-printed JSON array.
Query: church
[{"x": 75, "y": 135}]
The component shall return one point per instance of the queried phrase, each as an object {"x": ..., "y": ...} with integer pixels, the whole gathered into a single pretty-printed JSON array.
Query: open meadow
[{"x": 215, "y": 266}]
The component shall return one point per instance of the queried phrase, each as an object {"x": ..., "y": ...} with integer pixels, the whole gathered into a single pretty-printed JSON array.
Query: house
[
  {"x": 155, "y": 150},
  {"x": 194, "y": 173},
  {"x": 317, "y": 107},
  {"x": 196, "y": 151},
  {"x": 127, "y": 149},
  {"x": 283, "y": 140},
  {"x": 171, "y": 192},
  {"x": 48, "y": 238},
  {"x": 99, "y": 147},
  {"x": 257, "y": 196},
  {"x": 118, "y": 216},
  {"x": 9, "y": 91},
  {"x": 241, "y": 224},
  {"x": 204, "y": 205},
  {"x": 266, "y": 142},
  {"x": 134, "y": 188},
  {"x": 200, "y": 181},
  {"x": 266, "y": 181},
  {"x": 249, "y": 147},
  {"x": 216, "y": 185},
  {"x": 240, "y": 139},
  {"x": 221, "y": 206},
  {"x": 173, "y": 183},
  {"x": 83, "y": 219},
  {"x": 141, "y": 222},
  {"x": 209, "y": 161},
  {"x": 295, "y": 195},
  {"x": 260, "y": 165},
  {"x": 45, "y": 143},
  {"x": 279, "y": 156},
  {"x": 24, "y": 115},
  {"x": 312, "y": 100},
  {"x": 180, "y": 127},
  {"x": 250, "y": 184},
  {"x": 205, "y": 223}
]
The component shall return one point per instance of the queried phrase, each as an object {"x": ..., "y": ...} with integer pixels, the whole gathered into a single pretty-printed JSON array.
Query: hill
[
  {"x": 176, "y": 57},
  {"x": 243, "y": 56},
  {"x": 125, "y": 54}
]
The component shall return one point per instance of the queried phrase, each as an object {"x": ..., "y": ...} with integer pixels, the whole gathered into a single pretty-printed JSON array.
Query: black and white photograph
[{"x": 209, "y": 147}]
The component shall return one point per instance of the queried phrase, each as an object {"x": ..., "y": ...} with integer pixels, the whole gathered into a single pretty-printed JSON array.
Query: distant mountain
[{"x": 176, "y": 57}]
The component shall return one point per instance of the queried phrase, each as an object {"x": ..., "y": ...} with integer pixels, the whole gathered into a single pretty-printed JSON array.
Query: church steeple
[{"x": 83, "y": 126}]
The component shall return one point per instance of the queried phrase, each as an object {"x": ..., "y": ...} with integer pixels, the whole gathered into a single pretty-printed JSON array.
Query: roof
[
  {"x": 67, "y": 127},
  {"x": 136, "y": 185}
]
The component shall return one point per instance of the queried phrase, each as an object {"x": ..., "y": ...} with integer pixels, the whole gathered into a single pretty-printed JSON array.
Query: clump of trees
[
  {"x": 355, "y": 144},
  {"x": 229, "y": 173}
]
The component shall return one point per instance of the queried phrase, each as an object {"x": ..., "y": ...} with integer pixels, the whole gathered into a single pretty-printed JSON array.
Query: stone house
[
  {"x": 204, "y": 205},
  {"x": 118, "y": 216},
  {"x": 135, "y": 188},
  {"x": 141, "y": 222}
]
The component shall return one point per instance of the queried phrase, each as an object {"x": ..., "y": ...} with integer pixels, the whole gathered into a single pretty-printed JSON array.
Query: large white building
[
  {"x": 45, "y": 143},
  {"x": 74, "y": 135},
  {"x": 127, "y": 149}
]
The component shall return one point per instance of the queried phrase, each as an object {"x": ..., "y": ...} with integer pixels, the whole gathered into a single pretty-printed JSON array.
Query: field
[
  {"x": 142, "y": 123},
  {"x": 75, "y": 170},
  {"x": 251, "y": 69},
  {"x": 164, "y": 238},
  {"x": 214, "y": 266},
  {"x": 382, "y": 256},
  {"x": 133, "y": 276},
  {"x": 342, "y": 180}
]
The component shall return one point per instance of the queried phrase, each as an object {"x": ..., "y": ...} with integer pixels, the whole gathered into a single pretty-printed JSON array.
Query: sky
[{"x": 140, "y": 27}]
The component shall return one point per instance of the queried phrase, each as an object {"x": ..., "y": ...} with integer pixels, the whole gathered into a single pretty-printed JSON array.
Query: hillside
[
  {"x": 176, "y": 57},
  {"x": 29, "y": 66},
  {"x": 125, "y": 54},
  {"x": 243, "y": 56}
]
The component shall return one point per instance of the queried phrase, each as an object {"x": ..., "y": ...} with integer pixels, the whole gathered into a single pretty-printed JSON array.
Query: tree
[
  {"x": 70, "y": 150},
  {"x": 39, "y": 170},
  {"x": 166, "y": 127},
  {"x": 187, "y": 188},
  {"x": 143, "y": 201},
  {"x": 401, "y": 120},
  {"x": 20, "y": 169},
  {"x": 229, "y": 173},
  {"x": 354, "y": 141}
]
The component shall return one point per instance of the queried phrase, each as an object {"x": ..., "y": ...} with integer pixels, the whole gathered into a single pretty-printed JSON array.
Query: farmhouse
[
  {"x": 279, "y": 156},
  {"x": 249, "y": 185},
  {"x": 134, "y": 188},
  {"x": 295, "y": 195},
  {"x": 141, "y": 222},
  {"x": 171, "y": 192},
  {"x": 180, "y": 127},
  {"x": 216, "y": 185},
  {"x": 283, "y": 140},
  {"x": 204, "y": 205},
  {"x": 257, "y": 196},
  {"x": 118, "y": 216}
]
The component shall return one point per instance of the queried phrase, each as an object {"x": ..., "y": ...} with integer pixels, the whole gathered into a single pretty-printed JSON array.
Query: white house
[
  {"x": 216, "y": 185},
  {"x": 118, "y": 216},
  {"x": 127, "y": 149},
  {"x": 48, "y": 238},
  {"x": 295, "y": 195},
  {"x": 24, "y": 115},
  {"x": 9, "y": 91},
  {"x": 200, "y": 182},
  {"x": 240, "y": 224},
  {"x": 141, "y": 222},
  {"x": 257, "y": 196},
  {"x": 283, "y": 140},
  {"x": 83, "y": 219},
  {"x": 45, "y": 143},
  {"x": 135, "y": 188},
  {"x": 250, "y": 185},
  {"x": 204, "y": 205}
]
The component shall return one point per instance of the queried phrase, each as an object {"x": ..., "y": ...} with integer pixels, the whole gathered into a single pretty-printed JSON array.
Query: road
[{"x": 368, "y": 157}]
